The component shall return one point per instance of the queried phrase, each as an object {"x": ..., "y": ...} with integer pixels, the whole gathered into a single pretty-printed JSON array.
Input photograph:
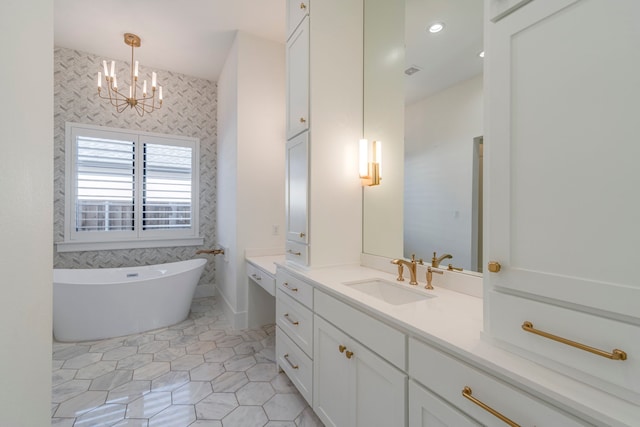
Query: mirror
[{"x": 431, "y": 182}]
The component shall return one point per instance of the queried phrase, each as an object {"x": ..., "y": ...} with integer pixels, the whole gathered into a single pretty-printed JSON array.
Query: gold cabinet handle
[
  {"x": 613, "y": 355},
  {"x": 349, "y": 354},
  {"x": 303, "y": 6},
  {"x": 494, "y": 266},
  {"x": 286, "y": 316},
  {"x": 466, "y": 393},
  {"x": 294, "y": 253},
  {"x": 302, "y": 235},
  {"x": 255, "y": 276},
  {"x": 286, "y": 285},
  {"x": 302, "y": 120},
  {"x": 286, "y": 357},
  {"x": 341, "y": 348}
]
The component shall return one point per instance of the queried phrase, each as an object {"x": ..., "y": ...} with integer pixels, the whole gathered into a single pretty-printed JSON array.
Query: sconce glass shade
[{"x": 370, "y": 162}]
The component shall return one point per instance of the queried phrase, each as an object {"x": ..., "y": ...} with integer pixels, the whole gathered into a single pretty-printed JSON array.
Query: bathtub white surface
[{"x": 91, "y": 304}]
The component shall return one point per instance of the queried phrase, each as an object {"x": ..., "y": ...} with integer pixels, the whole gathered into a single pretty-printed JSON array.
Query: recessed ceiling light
[
  {"x": 481, "y": 54},
  {"x": 436, "y": 27}
]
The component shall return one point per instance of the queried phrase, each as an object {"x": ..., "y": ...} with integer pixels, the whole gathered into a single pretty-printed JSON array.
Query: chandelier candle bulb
[
  {"x": 143, "y": 104},
  {"x": 160, "y": 94}
]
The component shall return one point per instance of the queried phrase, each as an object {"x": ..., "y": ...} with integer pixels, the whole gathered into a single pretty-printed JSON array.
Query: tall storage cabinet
[
  {"x": 562, "y": 205},
  {"x": 324, "y": 117}
]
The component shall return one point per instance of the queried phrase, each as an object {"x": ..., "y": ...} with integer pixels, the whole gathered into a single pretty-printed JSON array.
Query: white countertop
[
  {"x": 266, "y": 263},
  {"x": 454, "y": 322}
]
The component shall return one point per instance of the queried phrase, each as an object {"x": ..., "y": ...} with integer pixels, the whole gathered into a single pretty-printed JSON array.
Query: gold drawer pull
[
  {"x": 614, "y": 355},
  {"x": 294, "y": 253},
  {"x": 302, "y": 235},
  {"x": 341, "y": 348},
  {"x": 349, "y": 354},
  {"x": 303, "y": 6},
  {"x": 466, "y": 393},
  {"x": 286, "y": 357},
  {"x": 255, "y": 276},
  {"x": 286, "y": 285},
  {"x": 302, "y": 120},
  {"x": 286, "y": 316}
]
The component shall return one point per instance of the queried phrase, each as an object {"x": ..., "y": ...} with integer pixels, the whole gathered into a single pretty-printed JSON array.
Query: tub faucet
[
  {"x": 435, "y": 261},
  {"x": 411, "y": 266},
  {"x": 210, "y": 251}
]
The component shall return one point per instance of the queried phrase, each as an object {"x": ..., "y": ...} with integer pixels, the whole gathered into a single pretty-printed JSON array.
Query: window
[{"x": 126, "y": 189}]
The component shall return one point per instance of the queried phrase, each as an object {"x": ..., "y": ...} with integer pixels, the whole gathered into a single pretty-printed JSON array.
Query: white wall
[
  {"x": 251, "y": 122},
  {"x": 26, "y": 186},
  {"x": 439, "y": 133}
]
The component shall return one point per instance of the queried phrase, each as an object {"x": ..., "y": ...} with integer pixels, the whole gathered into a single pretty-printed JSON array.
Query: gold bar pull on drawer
[
  {"x": 614, "y": 355},
  {"x": 466, "y": 393}
]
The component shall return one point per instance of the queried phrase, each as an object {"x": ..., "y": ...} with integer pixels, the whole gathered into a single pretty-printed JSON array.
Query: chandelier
[{"x": 144, "y": 104}]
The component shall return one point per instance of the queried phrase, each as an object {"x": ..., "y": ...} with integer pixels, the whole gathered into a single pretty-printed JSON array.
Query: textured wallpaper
[{"x": 189, "y": 109}]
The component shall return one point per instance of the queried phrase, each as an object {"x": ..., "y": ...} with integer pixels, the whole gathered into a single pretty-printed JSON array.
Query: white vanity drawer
[
  {"x": 295, "y": 288},
  {"x": 297, "y": 365},
  {"x": 508, "y": 313},
  {"x": 388, "y": 342},
  {"x": 266, "y": 281},
  {"x": 448, "y": 377},
  {"x": 297, "y": 252},
  {"x": 296, "y": 320}
]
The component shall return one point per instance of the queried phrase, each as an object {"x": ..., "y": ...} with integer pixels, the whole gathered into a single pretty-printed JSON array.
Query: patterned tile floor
[{"x": 198, "y": 373}]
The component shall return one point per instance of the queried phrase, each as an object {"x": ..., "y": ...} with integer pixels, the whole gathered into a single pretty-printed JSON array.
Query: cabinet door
[
  {"x": 297, "y": 188},
  {"x": 332, "y": 397},
  {"x": 562, "y": 153},
  {"x": 428, "y": 410},
  {"x": 296, "y": 11},
  {"x": 298, "y": 80},
  {"x": 353, "y": 387}
]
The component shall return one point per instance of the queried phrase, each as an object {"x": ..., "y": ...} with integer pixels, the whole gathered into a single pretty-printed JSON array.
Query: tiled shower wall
[{"x": 189, "y": 109}]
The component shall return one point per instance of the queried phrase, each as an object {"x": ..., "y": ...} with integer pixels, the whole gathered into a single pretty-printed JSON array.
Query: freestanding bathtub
[{"x": 91, "y": 304}]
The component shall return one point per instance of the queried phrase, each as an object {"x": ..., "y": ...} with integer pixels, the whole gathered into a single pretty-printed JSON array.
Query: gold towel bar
[
  {"x": 466, "y": 392},
  {"x": 614, "y": 355}
]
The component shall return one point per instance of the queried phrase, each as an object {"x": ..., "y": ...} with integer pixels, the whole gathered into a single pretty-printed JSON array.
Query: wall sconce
[{"x": 370, "y": 167}]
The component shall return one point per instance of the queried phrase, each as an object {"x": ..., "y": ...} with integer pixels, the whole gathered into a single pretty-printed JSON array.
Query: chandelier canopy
[{"x": 144, "y": 104}]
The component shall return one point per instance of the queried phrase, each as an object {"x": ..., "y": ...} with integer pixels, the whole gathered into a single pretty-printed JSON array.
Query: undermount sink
[{"x": 388, "y": 292}]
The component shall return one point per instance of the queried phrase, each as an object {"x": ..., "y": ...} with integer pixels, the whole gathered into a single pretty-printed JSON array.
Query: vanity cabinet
[
  {"x": 352, "y": 385},
  {"x": 294, "y": 331},
  {"x": 298, "y": 80},
  {"x": 323, "y": 126},
  {"x": 562, "y": 215},
  {"x": 296, "y": 11},
  {"x": 467, "y": 389},
  {"x": 297, "y": 199}
]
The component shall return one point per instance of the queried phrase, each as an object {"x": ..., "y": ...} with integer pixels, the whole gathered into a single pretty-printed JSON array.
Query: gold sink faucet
[
  {"x": 430, "y": 272},
  {"x": 435, "y": 261},
  {"x": 411, "y": 265}
]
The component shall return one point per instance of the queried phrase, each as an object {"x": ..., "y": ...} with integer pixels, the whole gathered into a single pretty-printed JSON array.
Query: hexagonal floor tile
[
  {"x": 219, "y": 355},
  {"x": 174, "y": 415},
  {"x": 216, "y": 406},
  {"x": 192, "y": 392},
  {"x": 285, "y": 407},
  {"x": 245, "y": 416},
  {"x": 206, "y": 371},
  {"x": 229, "y": 382},
  {"x": 149, "y": 405},
  {"x": 255, "y": 393}
]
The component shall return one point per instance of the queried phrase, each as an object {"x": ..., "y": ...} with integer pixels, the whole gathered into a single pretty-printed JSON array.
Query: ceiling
[
  {"x": 445, "y": 58},
  {"x": 191, "y": 37}
]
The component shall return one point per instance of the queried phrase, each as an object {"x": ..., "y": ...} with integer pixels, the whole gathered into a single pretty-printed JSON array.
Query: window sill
[{"x": 127, "y": 244}]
